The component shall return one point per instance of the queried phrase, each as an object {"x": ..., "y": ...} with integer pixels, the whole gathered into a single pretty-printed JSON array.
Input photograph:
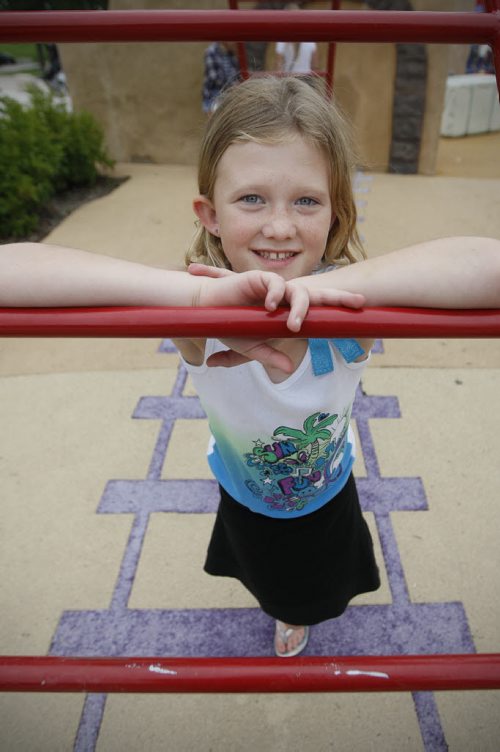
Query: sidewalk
[{"x": 108, "y": 504}]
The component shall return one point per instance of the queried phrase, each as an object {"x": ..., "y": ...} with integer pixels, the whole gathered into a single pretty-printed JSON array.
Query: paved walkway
[{"x": 107, "y": 504}]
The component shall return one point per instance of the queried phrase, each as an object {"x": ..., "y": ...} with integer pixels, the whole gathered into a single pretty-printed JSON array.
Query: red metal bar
[
  {"x": 247, "y": 322},
  {"x": 330, "y": 61},
  {"x": 221, "y": 675},
  {"x": 242, "y": 57},
  {"x": 330, "y": 67},
  {"x": 242, "y": 53},
  {"x": 225, "y": 25},
  {"x": 496, "y": 59},
  {"x": 192, "y": 26}
]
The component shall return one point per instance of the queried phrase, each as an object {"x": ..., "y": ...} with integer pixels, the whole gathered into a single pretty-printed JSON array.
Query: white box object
[
  {"x": 495, "y": 116},
  {"x": 471, "y": 105},
  {"x": 458, "y": 97},
  {"x": 481, "y": 106}
]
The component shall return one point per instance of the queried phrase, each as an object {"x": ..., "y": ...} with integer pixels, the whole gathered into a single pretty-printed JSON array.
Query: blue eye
[
  {"x": 251, "y": 198},
  {"x": 306, "y": 201}
]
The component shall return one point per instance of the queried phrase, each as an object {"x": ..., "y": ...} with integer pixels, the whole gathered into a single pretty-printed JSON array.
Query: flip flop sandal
[{"x": 284, "y": 634}]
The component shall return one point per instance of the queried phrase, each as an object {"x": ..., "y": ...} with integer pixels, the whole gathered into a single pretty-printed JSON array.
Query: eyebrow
[{"x": 305, "y": 190}]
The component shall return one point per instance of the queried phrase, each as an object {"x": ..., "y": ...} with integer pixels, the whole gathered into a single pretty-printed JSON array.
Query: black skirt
[{"x": 303, "y": 570}]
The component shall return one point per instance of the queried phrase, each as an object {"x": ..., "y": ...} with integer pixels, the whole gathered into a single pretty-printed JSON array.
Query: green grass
[{"x": 20, "y": 51}]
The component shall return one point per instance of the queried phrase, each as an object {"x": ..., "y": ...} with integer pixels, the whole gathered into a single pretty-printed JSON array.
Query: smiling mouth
[{"x": 276, "y": 255}]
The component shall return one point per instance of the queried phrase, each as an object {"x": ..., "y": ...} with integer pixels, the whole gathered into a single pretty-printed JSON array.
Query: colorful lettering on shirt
[{"x": 297, "y": 463}]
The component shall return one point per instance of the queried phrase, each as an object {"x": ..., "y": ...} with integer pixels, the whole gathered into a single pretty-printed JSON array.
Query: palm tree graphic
[{"x": 312, "y": 433}]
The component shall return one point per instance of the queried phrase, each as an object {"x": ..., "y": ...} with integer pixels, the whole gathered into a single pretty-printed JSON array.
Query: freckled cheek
[
  {"x": 237, "y": 235},
  {"x": 315, "y": 233},
  {"x": 241, "y": 230}
]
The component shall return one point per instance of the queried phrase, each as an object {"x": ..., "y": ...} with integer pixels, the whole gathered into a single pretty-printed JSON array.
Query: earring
[{"x": 216, "y": 231}]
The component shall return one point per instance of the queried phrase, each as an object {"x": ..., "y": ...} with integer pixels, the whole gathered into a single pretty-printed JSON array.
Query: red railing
[
  {"x": 404, "y": 673},
  {"x": 226, "y": 25},
  {"x": 246, "y": 322},
  {"x": 325, "y": 674},
  {"x": 247, "y": 25},
  {"x": 330, "y": 60}
]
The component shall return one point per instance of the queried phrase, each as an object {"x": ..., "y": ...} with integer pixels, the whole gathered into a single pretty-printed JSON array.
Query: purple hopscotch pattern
[{"x": 400, "y": 628}]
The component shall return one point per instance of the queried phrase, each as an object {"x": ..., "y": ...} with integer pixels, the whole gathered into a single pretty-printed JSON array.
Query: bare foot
[{"x": 290, "y": 639}]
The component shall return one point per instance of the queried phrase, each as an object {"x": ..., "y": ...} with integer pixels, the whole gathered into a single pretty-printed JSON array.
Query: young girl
[{"x": 275, "y": 207}]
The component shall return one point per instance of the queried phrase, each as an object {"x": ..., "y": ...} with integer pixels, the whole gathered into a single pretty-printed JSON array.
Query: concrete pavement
[{"x": 108, "y": 504}]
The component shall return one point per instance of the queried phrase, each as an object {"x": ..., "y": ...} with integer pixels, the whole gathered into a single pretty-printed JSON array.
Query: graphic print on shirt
[{"x": 297, "y": 463}]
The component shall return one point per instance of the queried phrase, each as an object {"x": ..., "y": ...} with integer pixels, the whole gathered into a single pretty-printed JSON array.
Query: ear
[{"x": 205, "y": 211}]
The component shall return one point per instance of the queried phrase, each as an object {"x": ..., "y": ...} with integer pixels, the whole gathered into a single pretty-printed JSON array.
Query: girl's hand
[
  {"x": 294, "y": 292},
  {"x": 243, "y": 349},
  {"x": 250, "y": 288}
]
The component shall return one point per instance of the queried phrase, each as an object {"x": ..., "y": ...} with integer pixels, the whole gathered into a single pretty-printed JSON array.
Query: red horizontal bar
[
  {"x": 247, "y": 322},
  {"x": 311, "y": 674},
  {"x": 228, "y": 25}
]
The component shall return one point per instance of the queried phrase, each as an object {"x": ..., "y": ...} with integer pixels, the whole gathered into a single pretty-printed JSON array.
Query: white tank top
[{"x": 285, "y": 449}]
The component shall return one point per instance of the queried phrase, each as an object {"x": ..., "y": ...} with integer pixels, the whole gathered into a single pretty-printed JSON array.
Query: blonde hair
[{"x": 269, "y": 110}]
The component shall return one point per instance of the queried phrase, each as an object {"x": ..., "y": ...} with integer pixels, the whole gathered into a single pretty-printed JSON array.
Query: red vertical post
[
  {"x": 496, "y": 60},
  {"x": 242, "y": 53},
  {"x": 330, "y": 63},
  {"x": 242, "y": 56},
  {"x": 492, "y": 6}
]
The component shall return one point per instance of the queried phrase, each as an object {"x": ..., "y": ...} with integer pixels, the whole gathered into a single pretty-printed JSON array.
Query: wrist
[{"x": 202, "y": 293}]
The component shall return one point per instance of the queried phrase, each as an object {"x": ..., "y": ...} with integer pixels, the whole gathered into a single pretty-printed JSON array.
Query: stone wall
[{"x": 147, "y": 96}]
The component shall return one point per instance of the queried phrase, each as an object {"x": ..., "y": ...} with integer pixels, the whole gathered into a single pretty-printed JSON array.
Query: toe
[{"x": 287, "y": 637}]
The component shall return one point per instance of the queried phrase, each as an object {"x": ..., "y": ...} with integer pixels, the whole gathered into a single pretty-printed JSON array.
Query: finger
[
  {"x": 202, "y": 270},
  {"x": 298, "y": 298},
  {"x": 336, "y": 298},
  {"x": 271, "y": 357},
  {"x": 264, "y": 354},
  {"x": 226, "y": 359},
  {"x": 352, "y": 299},
  {"x": 276, "y": 287},
  {"x": 264, "y": 286}
]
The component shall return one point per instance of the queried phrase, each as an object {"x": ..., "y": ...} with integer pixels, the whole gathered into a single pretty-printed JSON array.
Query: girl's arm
[
  {"x": 461, "y": 272},
  {"x": 38, "y": 275},
  {"x": 457, "y": 272},
  {"x": 41, "y": 275}
]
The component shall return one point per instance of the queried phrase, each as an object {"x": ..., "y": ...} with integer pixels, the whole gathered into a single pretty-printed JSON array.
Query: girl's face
[{"x": 271, "y": 206}]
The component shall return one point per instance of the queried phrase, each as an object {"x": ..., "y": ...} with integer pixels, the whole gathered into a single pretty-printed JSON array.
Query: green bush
[{"x": 44, "y": 150}]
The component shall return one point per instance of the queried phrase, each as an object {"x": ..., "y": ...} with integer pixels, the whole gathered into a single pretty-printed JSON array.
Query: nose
[{"x": 279, "y": 225}]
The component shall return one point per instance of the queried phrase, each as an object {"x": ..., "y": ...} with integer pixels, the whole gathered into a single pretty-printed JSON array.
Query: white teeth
[{"x": 275, "y": 256}]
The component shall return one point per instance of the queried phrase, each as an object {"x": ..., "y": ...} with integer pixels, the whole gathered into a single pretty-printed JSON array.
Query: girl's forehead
[
  {"x": 293, "y": 144},
  {"x": 281, "y": 138},
  {"x": 294, "y": 160}
]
